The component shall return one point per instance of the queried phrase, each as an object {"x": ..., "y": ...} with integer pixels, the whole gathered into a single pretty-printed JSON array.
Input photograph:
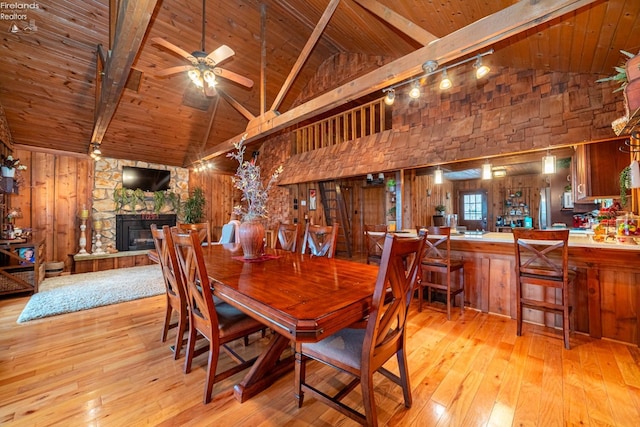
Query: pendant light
[
  {"x": 548, "y": 164},
  {"x": 438, "y": 176},
  {"x": 486, "y": 171}
]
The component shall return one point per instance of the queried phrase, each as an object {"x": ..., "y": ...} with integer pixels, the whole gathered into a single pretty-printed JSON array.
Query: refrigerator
[{"x": 544, "y": 209}]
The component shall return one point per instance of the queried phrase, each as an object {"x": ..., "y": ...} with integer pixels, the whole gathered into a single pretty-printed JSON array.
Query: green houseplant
[
  {"x": 193, "y": 207},
  {"x": 625, "y": 184},
  {"x": 440, "y": 209},
  {"x": 620, "y": 76}
]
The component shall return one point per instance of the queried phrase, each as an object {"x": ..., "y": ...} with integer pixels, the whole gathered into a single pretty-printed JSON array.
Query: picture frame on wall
[{"x": 312, "y": 199}]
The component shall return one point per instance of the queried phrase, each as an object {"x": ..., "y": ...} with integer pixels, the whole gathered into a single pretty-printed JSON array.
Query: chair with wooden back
[
  {"x": 175, "y": 290},
  {"x": 219, "y": 323},
  {"x": 542, "y": 261},
  {"x": 203, "y": 229},
  {"x": 438, "y": 267},
  {"x": 320, "y": 240},
  {"x": 361, "y": 352},
  {"x": 287, "y": 237},
  {"x": 374, "y": 240}
]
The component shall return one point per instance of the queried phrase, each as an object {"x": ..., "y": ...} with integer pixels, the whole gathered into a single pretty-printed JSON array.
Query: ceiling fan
[{"x": 204, "y": 67}]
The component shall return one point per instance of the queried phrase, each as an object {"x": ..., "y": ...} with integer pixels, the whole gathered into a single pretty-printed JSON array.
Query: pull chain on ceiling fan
[{"x": 204, "y": 67}]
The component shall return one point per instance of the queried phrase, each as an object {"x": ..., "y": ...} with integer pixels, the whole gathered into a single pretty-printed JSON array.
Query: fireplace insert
[{"x": 133, "y": 232}]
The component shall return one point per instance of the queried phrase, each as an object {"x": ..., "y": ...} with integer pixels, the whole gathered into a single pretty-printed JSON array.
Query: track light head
[
  {"x": 391, "y": 96},
  {"x": 481, "y": 70},
  {"x": 445, "y": 83},
  {"x": 414, "y": 93}
]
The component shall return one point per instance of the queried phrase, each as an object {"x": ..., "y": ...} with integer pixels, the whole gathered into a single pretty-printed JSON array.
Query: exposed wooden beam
[
  {"x": 480, "y": 34},
  {"x": 132, "y": 22},
  {"x": 398, "y": 21},
  {"x": 235, "y": 104},
  {"x": 263, "y": 58},
  {"x": 304, "y": 54}
]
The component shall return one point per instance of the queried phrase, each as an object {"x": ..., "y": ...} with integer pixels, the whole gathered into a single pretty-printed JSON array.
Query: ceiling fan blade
[
  {"x": 233, "y": 77},
  {"x": 173, "y": 48},
  {"x": 173, "y": 70},
  {"x": 220, "y": 54}
]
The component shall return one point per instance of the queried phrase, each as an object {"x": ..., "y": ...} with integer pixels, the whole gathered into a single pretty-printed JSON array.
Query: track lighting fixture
[
  {"x": 431, "y": 67},
  {"x": 391, "y": 96},
  {"x": 445, "y": 83},
  {"x": 414, "y": 93},
  {"x": 481, "y": 70},
  {"x": 95, "y": 151}
]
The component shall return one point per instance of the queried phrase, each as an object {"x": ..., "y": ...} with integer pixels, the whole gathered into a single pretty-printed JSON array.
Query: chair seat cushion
[
  {"x": 231, "y": 320},
  {"x": 345, "y": 346}
]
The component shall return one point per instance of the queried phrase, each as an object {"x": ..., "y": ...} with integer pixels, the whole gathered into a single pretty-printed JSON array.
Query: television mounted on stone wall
[{"x": 146, "y": 179}]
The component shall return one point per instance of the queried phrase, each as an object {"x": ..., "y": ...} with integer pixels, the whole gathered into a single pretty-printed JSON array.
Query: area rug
[{"x": 76, "y": 292}]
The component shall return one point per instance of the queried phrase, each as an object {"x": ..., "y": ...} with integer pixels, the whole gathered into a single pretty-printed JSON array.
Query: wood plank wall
[{"x": 55, "y": 187}]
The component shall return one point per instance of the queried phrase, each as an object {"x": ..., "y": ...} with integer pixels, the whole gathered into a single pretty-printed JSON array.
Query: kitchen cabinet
[{"x": 597, "y": 169}]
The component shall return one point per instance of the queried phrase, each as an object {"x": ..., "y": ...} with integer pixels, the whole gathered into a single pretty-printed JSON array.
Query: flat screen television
[{"x": 145, "y": 179}]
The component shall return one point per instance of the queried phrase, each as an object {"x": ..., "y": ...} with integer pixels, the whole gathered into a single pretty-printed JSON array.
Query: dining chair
[
  {"x": 175, "y": 290},
  {"x": 287, "y": 237},
  {"x": 220, "y": 323},
  {"x": 320, "y": 240},
  {"x": 203, "y": 229},
  {"x": 542, "y": 261},
  {"x": 438, "y": 268},
  {"x": 374, "y": 240},
  {"x": 361, "y": 352}
]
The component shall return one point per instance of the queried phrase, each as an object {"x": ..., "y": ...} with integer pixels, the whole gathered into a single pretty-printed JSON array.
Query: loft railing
[{"x": 364, "y": 120}]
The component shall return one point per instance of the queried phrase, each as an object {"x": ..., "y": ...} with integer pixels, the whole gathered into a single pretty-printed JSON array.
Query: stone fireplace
[
  {"x": 108, "y": 177},
  {"x": 133, "y": 232}
]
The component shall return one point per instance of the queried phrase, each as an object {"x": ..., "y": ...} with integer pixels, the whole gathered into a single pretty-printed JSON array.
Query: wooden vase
[{"x": 251, "y": 236}]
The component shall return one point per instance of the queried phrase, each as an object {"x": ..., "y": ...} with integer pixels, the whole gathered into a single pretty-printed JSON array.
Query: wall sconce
[
  {"x": 548, "y": 164},
  {"x": 448, "y": 195},
  {"x": 428, "y": 192},
  {"x": 438, "y": 177},
  {"x": 486, "y": 171}
]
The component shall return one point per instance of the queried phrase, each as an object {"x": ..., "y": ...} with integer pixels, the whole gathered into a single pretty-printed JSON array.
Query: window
[{"x": 472, "y": 207}]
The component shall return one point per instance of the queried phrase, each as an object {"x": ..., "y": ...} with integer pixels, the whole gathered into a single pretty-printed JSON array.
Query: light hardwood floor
[{"x": 107, "y": 367}]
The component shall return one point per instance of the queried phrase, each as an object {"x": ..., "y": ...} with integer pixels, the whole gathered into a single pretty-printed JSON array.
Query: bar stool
[
  {"x": 438, "y": 263},
  {"x": 542, "y": 259}
]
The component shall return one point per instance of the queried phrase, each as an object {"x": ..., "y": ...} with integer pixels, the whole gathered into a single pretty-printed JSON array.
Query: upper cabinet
[{"x": 597, "y": 169}]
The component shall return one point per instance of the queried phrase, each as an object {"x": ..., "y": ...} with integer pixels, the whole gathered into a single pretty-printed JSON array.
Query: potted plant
[
  {"x": 628, "y": 77},
  {"x": 255, "y": 195},
  {"x": 440, "y": 209},
  {"x": 193, "y": 207},
  {"x": 10, "y": 165}
]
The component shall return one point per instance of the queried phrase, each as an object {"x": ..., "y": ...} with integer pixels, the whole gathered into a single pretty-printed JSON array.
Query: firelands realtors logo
[{"x": 17, "y": 14}]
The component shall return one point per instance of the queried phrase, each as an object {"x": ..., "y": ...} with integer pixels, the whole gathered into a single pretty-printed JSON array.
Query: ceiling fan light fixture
[
  {"x": 209, "y": 77},
  {"x": 195, "y": 77}
]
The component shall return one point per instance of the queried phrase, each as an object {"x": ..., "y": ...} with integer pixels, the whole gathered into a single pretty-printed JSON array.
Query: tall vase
[{"x": 251, "y": 234}]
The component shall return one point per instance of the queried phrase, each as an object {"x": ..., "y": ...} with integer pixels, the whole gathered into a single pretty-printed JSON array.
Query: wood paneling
[{"x": 48, "y": 79}]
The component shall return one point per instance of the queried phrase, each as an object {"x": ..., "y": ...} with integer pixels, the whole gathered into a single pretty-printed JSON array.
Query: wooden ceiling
[{"x": 48, "y": 74}]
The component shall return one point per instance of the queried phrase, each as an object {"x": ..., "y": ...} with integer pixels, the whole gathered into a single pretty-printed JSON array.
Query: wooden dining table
[{"x": 300, "y": 297}]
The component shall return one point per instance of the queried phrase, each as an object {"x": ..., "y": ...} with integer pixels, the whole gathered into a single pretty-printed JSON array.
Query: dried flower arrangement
[
  {"x": 11, "y": 163},
  {"x": 249, "y": 181}
]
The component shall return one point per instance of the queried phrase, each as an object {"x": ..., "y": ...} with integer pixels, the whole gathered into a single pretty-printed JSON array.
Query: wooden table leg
[{"x": 266, "y": 369}]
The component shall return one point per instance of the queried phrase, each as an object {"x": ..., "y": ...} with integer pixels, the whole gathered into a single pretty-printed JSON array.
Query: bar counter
[{"x": 606, "y": 293}]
